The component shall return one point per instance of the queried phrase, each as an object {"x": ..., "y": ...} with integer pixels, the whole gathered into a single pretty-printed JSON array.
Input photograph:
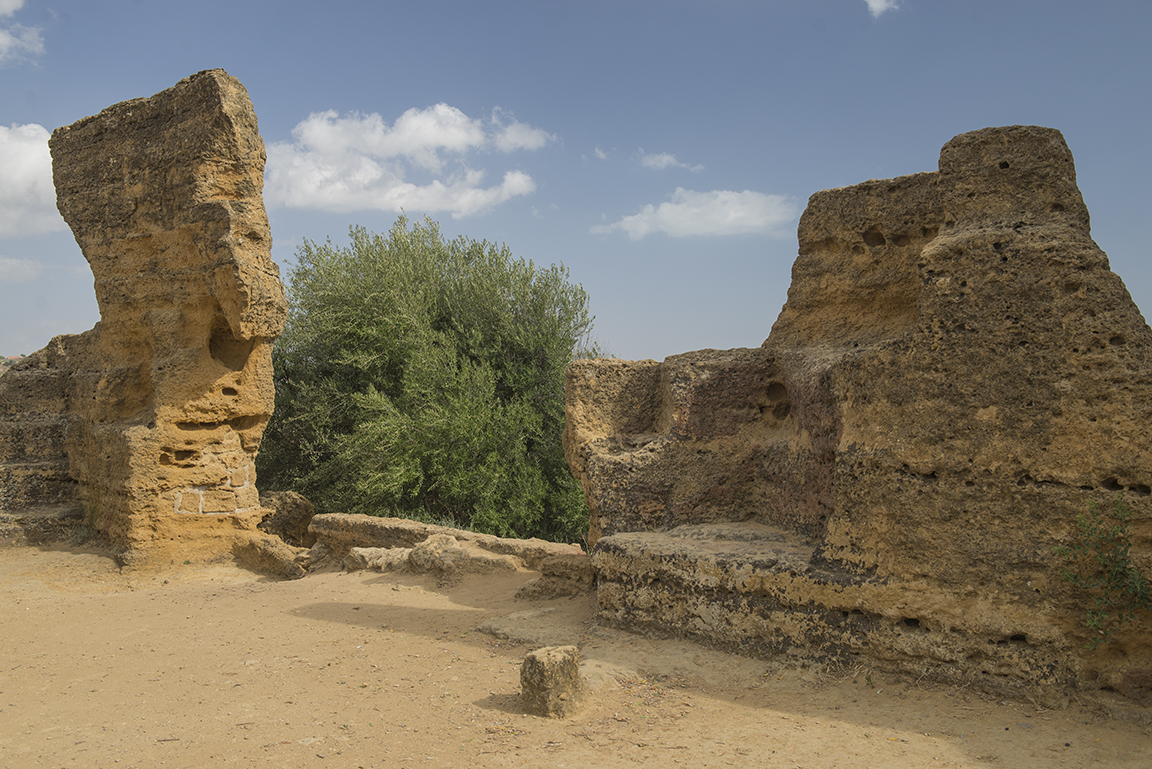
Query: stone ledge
[
  {"x": 35, "y": 525},
  {"x": 756, "y": 591}
]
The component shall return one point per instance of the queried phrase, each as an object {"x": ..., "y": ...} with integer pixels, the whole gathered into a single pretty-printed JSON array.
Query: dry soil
[{"x": 213, "y": 666}]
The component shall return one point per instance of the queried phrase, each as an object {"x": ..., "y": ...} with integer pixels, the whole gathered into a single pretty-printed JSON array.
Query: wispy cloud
[
  {"x": 18, "y": 270},
  {"x": 17, "y": 42},
  {"x": 359, "y": 162},
  {"x": 27, "y": 197},
  {"x": 719, "y": 212},
  {"x": 511, "y": 134},
  {"x": 664, "y": 160},
  {"x": 877, "y": 7}
]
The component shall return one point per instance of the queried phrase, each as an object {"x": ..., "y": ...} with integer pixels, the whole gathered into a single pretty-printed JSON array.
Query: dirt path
[{"x": 213, "y": 666}]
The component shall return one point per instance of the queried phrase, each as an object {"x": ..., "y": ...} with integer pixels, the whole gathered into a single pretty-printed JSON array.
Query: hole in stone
[
  {"x": 1117, "y": 340},
  {"x": 1019, "y": 638},
  {"x": 997, "y": 246},
  {"x": 1004, "y": 164},
  {"x": 1113, "y": 485},
  {"x": 777, "y": 392},
  {"x": 230, "y": 391},
  {"x": 911, "y": 622},
  {"x": 901, "y": 240},
  {"x": 969, "y": 483},
  {"x": 873, "y": 237},
  {"x": 227, "y": 349},
  {"x": 184, "y": 456},
  {"x": 1142, "y": 490},
  {"x": 782, "y": 410},
  {"x": 1057, "y": 207}
]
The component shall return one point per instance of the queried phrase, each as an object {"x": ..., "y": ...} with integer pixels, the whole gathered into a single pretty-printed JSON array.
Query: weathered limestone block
[
  {"x": 560, "y": 576},
  {"x": 34, "y": 473},
  {"x": 167, "y": 398},
  {"x": 291, "y": 514},
  {"x": 440, "y": 553},
  {"x": 550, "y": 682},
  {"x": 269, "y": 555},
  {"x": 341, "y": 532},
  {"x": 377, "y": 558},
  {"x": 956, "y": 374}
]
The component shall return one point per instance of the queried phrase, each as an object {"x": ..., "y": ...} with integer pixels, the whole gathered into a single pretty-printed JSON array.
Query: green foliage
[
  {"x": 1099, "y": 563},
  {"x": 424, "y": 378}
]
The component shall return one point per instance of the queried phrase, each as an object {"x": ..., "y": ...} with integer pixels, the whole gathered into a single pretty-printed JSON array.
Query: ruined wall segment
[
  {"x": 38, "y": 495},
  {"x": 169, "y": 397},
  {"x": 956, "y": 374}
]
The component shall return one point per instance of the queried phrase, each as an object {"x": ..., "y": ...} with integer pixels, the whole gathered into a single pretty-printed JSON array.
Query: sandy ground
[{"x": 217, "y": 667}]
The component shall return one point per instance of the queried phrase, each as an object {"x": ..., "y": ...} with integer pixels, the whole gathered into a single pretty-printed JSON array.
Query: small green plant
[
  {"x": 81, "y": 535},
  {"x": 1098, "y": 562}
]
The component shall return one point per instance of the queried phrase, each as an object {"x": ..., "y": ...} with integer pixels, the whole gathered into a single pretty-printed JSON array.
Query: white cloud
[
  {"x": 18, "y": 42},
  {"x": 664, "y": 160},
  {"x": 358, "y": 162},
  {"x": 516, "y": 135},
  {"x": 877, "y": 7},
  {"x": 719, "y": 212},
  {"x": 18, "y": 270},
  {"x": 9, "y": 7},
  {"x": 27, "y": 197},
  {"x": 601, "y": 154}
]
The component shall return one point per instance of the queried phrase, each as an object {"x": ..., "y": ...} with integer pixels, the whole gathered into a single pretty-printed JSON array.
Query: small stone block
[
  {"x": 219, "y": 501},
  {"x": 190, "y": 501},
  {"x": 550, "y": 682}
]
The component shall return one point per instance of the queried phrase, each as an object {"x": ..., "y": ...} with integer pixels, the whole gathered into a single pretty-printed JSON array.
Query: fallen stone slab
[{"x": 341, "y": 532}]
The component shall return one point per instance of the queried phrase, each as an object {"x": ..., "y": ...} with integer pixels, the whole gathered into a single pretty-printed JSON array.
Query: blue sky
[{"x": 662, "y": 150}]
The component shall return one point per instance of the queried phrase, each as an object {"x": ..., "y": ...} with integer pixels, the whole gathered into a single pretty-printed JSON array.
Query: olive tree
[{"x": 421, "y": 377}]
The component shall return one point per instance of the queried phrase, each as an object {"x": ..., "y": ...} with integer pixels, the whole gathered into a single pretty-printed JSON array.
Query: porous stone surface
[
  {"x": 560, "y": 576},
  {"x": 270, "y": 555},
  {"x": 550, "y": 682},
  {"x": 39, "y": 499},
  {"x": 162, "y": 405},
  {"x": 289, "y": 516},
  {"x": 956, "y": 374},
  {"x": 341, "y": 532}
]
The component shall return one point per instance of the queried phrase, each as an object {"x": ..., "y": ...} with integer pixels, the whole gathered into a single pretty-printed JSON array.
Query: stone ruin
[
  {"x": 955, "y": 375},
  {"x": 150, "y": 422}
]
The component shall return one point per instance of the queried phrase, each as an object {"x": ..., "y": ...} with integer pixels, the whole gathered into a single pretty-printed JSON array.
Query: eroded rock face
[
  {"x": 167, "y": 398},
  {"x": 955, "y": 375}
]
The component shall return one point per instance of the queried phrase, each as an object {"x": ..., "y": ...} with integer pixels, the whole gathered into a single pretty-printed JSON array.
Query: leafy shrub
[{"x": 424, "y": 378}]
